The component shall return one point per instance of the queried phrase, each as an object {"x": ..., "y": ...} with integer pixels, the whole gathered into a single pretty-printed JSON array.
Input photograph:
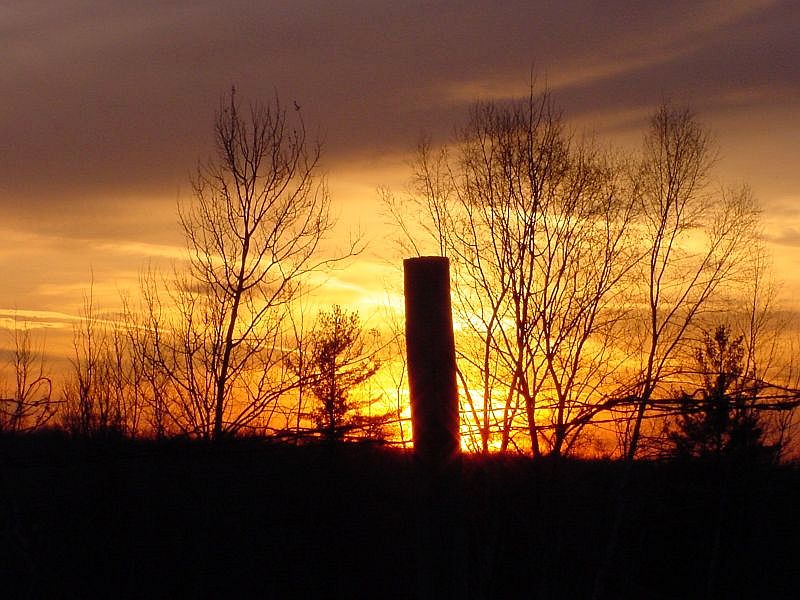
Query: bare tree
[
  {"x": 30, "y": 404},
  {"x": 253, "y": 228},
  {"x": 570, "y": 264},
  {"x": 299, "y": 361},
  {"x": 769, "y": 374},
  {"x": 93, "y": 402},
  {"x": 536, "y": 225},
  {"x": 694, "y": 242},
  {"x": 148, "y": 383},
  {"x": 396, "y": 370}
]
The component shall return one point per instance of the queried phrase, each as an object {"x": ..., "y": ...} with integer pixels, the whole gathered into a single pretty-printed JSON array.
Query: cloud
[
  {"x": 143, "y": 250},
  {"x": 107, "y": 106},
  {"x": 786, "y": 236},
  {"x": 35, "y": 319},
  {"x": 103, "y": 96}
]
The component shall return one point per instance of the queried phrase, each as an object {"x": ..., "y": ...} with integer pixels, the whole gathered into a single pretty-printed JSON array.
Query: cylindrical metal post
[{"x": 431, "y": 360}]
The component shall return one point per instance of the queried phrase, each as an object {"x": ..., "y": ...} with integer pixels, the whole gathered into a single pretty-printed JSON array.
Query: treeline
[
  {"x": 606, "y": 303},
  {"x": 115, "y": 386},
  {"x": 221, "y": 348}
]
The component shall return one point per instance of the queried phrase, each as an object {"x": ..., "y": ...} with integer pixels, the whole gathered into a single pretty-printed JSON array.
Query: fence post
[
  {"x": 431, "y": 361},
  {"x": 433, "y": 390}
]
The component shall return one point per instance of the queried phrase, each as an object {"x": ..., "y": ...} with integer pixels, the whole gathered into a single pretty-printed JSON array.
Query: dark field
[{"x": 121, "y": 519}]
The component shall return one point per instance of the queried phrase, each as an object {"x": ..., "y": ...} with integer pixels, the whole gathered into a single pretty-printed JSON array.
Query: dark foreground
[{"x": 117, "y": 519}]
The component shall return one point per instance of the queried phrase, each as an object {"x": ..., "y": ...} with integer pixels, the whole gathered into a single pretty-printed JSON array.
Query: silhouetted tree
[
  {"x": 149, "y": 385},
  {"x": 570, "y": 264},
  {"x": 770, "y": 355},
  {"x": 396, "y": 369},
  {"x": 341, "y": 360},
  {"x": 93, "y": 402},
  {"x": 694, "y": 240},
  {"x": 535, "y": 223},
  {"x": 299, "y": 361},
  {"x": 28, "y": 404},
  {"x": 259, "y": 211},
  {"x": 722, "y": 417}
]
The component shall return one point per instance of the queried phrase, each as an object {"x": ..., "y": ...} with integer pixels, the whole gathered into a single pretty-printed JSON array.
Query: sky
[{"x": 108, "y": 106}]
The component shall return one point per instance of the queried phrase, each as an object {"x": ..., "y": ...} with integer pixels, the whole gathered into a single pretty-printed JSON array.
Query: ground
[{"x": 115, "y": 518}]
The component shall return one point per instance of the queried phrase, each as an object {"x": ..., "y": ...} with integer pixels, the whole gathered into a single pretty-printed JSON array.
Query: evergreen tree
[
  {"x": 721, "y": 417},
  {"x": 341, "y": 360}
]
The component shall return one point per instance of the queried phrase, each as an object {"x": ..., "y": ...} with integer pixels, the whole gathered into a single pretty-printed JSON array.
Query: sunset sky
[{"x": 107, "y": 106}]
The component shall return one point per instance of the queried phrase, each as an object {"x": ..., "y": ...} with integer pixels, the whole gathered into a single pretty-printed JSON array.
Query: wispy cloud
[
  {"x": 786, "y": 236},
  {"x": 142, "y": 249},
  {"x": 11, "y": 318}
]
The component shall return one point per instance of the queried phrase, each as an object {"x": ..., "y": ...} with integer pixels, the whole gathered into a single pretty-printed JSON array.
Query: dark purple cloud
[{"x": 107, "y": 102}]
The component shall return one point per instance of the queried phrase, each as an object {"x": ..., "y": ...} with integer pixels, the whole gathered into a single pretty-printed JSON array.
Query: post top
[{"x": 426, "y": 260}]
